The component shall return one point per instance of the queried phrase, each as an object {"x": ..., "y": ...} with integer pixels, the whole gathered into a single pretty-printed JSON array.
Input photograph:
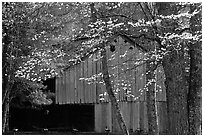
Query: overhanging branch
[
  {"x": 153, "y": 26},
  {"x": 118, "y": 15}
]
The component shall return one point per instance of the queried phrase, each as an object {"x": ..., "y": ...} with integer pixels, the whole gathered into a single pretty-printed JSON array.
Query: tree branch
[
  {"x": 153, "y": 26},
  {"x": 118, "y": 15}
]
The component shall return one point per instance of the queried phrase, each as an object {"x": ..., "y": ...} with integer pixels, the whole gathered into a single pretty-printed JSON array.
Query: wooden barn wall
[
  {"x": 128, "y": 78},
  {"x": 127, "y": 72},
  {"x": 134, "y": 114}
]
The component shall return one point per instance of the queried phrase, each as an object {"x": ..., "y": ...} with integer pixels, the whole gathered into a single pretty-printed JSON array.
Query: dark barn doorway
[{"x": 71, "y": 117}]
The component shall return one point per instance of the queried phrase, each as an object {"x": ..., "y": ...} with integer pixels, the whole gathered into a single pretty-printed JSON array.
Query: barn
[{"x": 82, "y": 90}]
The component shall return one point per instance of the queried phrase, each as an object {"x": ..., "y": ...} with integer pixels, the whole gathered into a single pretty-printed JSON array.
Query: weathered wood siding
[
  {"x": 127, "y": 70},
  {"x": 134, "y": 114}
]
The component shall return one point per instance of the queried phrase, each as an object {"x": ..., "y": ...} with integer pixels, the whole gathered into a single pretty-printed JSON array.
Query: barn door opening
[{"x": 72, "y": 117}]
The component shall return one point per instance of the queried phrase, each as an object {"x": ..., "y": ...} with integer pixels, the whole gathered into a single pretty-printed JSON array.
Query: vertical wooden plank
[
  {"x": 120, "y": 71},
  {"x": 162, "y": 116},
  {"x": 124, "y": 66},
  {"x": 144, "y": 80},
  {"x": 98, "y": 71},
  {"x": 72, "y": 85},
  {"x": 127, "y": 78},
  {"x": 79, "y": 82},
  {"x": 68, "y": 86},
  {"x": 130, "y": 111},
  {"x": 145, "y": 117},
  {"x": 102, "y": 84},
  {"x": 141, "y": 115},
  {"x": 109, "y": 116},
  {"x": 90, "y": 74},
  {"x": 57, "y": 90},
  {"x": 137, "y": 92},
  {"x": 92, "y": 84},
  {"x": 117, "y": 70},
  {"x": 94, "y": 74},
  {"x": 130, "y": 73},
  {"x": 97, "y": 79},
  {"x": 85, "y": 83},
  {"x": 96, "y": 82},
  {"x": 101, "y": 79},
  {"x": 134, "y": 75},
  {"x": 98, "y": 117},
  {"x": 140, "y": 78},
  {"x": 126, "y": 114},
  {"x": 104, "y": 116},
  {"x": 136, "y": 115},
  {"x": 60, "y": 89},
  {"x": 109, "y": 70},
  {"x": 82, "y": 82},
  {"x": 161, "y": 90},
  {"x": 64, "y": 87},
  {"x": 88, "y": 82},
  {"x": 75, "y": 84}
]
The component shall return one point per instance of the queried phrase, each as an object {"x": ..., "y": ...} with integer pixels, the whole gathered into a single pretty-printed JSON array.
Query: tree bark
[
  {"x": 5, "y": 114},
  {"x": 195, "y": 93},
  {"x": 109, "y": 89},
  {"x": 151, "y": 100},
  {"x": 176, "y": 92},
  {"x": 195, "y": 78}
]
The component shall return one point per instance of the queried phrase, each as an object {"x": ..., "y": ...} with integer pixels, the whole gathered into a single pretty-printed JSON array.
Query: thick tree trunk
[
  {"x": 195, "y": 78},
  {"x": 176, "y": 91},
  {"x": 151, "y": 101},
  {"x": 195, "y": 91},
  {"x": 114, "y": 102}
]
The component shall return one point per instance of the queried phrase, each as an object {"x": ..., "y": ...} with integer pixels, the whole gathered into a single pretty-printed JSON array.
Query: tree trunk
[
  {"x": 114, "y": 102},
  {"x": 195, "y": 77},
  {"x": 194, "y": 96},
  {"x": 151, "y": 101},
  {"x": 176, "y": 92},
  {"x": 5, "y": 114}
]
